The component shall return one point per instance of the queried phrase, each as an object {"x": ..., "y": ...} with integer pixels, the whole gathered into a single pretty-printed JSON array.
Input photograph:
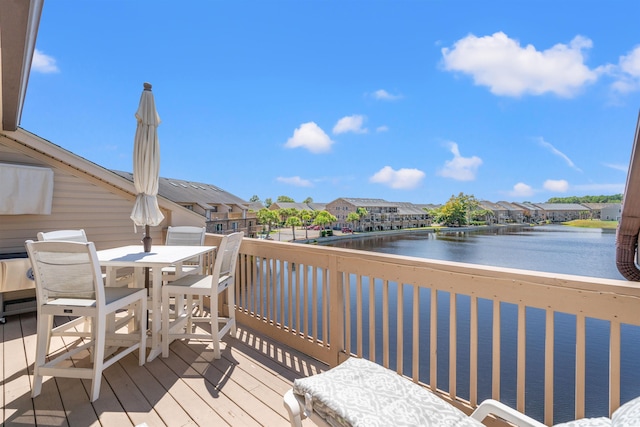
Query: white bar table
[{"x": 160, "y": 256}]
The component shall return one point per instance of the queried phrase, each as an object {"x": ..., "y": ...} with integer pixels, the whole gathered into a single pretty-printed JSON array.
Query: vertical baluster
[
  {"x": 453, "y": 344},
  {"x": 290, "y": 276},
  {"x": 314, "y": 304},
  {"x": 278, "y": 272},
  {"x": 385, "y": 323},
  {"x": 549, "y": 350},
  {"x": 359, "y": 330},
  {"x": 521, "y": 367},
  {"x": 473, "y": 352},
  {"x": 614, "y": 366},
  {"x": 372, "y": 318},
  {"x": 433, "y": 333},
  {"x": 348, "y": 313},
  {"x": 415, "y": 365},
  {"x": 325, "y": 305},
  {"x": 299, "y": 301},
  {"x": 400, "y": 330},
  {"x": 580, "y": 364},
  {"x": 495, "y": 353}
]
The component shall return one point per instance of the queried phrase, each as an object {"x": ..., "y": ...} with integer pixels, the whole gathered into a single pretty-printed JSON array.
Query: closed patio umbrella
[
  {"x": 146, "y": 166},
  {"x": 629, "y": 223}
]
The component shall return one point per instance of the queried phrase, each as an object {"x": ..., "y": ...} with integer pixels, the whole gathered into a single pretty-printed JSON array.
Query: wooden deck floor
[{"x": 189, "y": 388}]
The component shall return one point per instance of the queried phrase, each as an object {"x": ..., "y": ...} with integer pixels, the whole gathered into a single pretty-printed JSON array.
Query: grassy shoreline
[{"x": 592, "y": 223}]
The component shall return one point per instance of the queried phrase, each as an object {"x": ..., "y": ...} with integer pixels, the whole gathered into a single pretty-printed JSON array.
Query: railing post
[{"x": 336, "y": 312}]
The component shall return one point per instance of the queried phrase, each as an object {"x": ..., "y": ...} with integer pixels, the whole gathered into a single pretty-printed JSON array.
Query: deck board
[{"x": 189, "y": 388}]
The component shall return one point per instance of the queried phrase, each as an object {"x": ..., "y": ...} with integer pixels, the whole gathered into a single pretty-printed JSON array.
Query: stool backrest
[{"x": 63, "y": 235}]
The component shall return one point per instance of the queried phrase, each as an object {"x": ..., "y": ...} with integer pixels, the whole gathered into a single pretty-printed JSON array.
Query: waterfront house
[
  {"x": 561, "y": 212},
  {"x": 500, "y": 213},
  {"x": 411, "y": 216},
  {"x": 515, "y": 213},
  {"x": 303, "y": 308},
  {"x": 530, "y": 212},
  {"x": 380, "y": 212},
  {"x": 604, "y": 211}
]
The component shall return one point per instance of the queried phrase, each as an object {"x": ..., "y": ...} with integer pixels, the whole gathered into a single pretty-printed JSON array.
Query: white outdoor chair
[
  {"x": 184, "y": 236},
  {"x": 68, "y": 236},
  {"x": 69, "y": 283},
  {"x": 219, "y": 279},
  {"x": 124, "y": 279}
]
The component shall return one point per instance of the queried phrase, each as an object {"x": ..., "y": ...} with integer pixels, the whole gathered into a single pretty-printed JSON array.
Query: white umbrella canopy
[{"x": 146, "y": 166}]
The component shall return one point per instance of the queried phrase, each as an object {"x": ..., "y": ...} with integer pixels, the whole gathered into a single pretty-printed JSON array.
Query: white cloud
[
  {"x": 521, "y": 190},
  {"x": 460, "y": 168},
  {"x": 310, "y": 136},
  {"x": 556, "y": 185},
  {"x": 559, "y": 153},
  {"x": 621, "y": 168},
  {"x": 350, "y": 124},
  {"x": 627, "y": 72},
  {"x": 43, "y": 63},
  {"x": 402, "y": 179},
  {"x": 510, "y": 69},
  {"x": 295, "y": 181},
  {"x": 382, "y": 128},
  {"x": 385, "y": 96}
]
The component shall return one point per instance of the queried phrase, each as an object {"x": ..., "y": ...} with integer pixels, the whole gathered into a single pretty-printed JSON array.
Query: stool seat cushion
[{"x": 359, "y": 392}]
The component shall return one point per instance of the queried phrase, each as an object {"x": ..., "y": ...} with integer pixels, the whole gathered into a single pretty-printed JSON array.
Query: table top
[{"x": 160, "y": 255}]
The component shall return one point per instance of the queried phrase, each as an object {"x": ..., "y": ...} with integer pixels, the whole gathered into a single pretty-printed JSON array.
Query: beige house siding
[{"x": 83, "y": 197}]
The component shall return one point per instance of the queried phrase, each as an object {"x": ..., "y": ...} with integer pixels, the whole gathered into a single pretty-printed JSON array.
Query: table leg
[
  {"x": 112, "y": 273},
  {"x": 156, "y": 319}
]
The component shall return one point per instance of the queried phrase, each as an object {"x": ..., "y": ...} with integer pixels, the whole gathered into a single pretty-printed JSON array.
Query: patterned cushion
[
  {"x": 587, "y": 422},
  {"x": 628, "y": 415},
  {"x": 362, "y": 393}
]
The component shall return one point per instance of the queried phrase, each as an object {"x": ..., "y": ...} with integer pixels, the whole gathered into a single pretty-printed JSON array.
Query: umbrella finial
[{"x": 147, "y": 86}]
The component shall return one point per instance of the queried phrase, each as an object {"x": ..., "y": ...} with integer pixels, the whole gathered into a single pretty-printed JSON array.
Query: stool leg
[{"x": 215, "y": 335}]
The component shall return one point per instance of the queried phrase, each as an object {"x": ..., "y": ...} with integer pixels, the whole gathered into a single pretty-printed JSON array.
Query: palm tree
[
  {"x": 292, "y": 222},
  {"x": 352, "y": 217},
  {"x": 306, "y": 217},
  {"x": 267, "y": 217},
  {"x": 323, "y": 218},
  {"x": 362, "y": 212}
]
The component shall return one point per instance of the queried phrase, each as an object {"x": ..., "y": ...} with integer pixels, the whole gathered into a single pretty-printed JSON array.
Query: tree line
[{"x": 616, "y": 198}]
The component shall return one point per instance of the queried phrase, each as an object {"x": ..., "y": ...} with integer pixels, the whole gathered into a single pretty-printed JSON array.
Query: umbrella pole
[{"x": 146, "y": 242}]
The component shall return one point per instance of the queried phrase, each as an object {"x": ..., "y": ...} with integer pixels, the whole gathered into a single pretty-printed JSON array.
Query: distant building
[
  {"x": 530, "y": 212},
  {"x": 605, "y": 211},
  {"x": 515, "y": 213},
  {"x": 290, "y": 205},
  {"x": 561, "y": 212},
  {"x": 378, "y": 217},
  {"x": 382, "y": 215},
  {"x": 411, "y": 216},
  {"x": 224, "y": 212},
  {"x": 500, "y": 213}
]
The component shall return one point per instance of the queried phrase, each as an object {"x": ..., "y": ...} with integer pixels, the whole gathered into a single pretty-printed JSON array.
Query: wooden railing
[{"x": 555, "y": 346}]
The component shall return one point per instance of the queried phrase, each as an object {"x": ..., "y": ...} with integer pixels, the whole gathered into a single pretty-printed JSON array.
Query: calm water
[
  {"x": 555, "y": 249},
  {"x": 558, "y": 249}
]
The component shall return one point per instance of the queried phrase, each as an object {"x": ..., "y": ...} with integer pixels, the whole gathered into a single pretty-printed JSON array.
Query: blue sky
[{"x": 400, "y": 100}]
